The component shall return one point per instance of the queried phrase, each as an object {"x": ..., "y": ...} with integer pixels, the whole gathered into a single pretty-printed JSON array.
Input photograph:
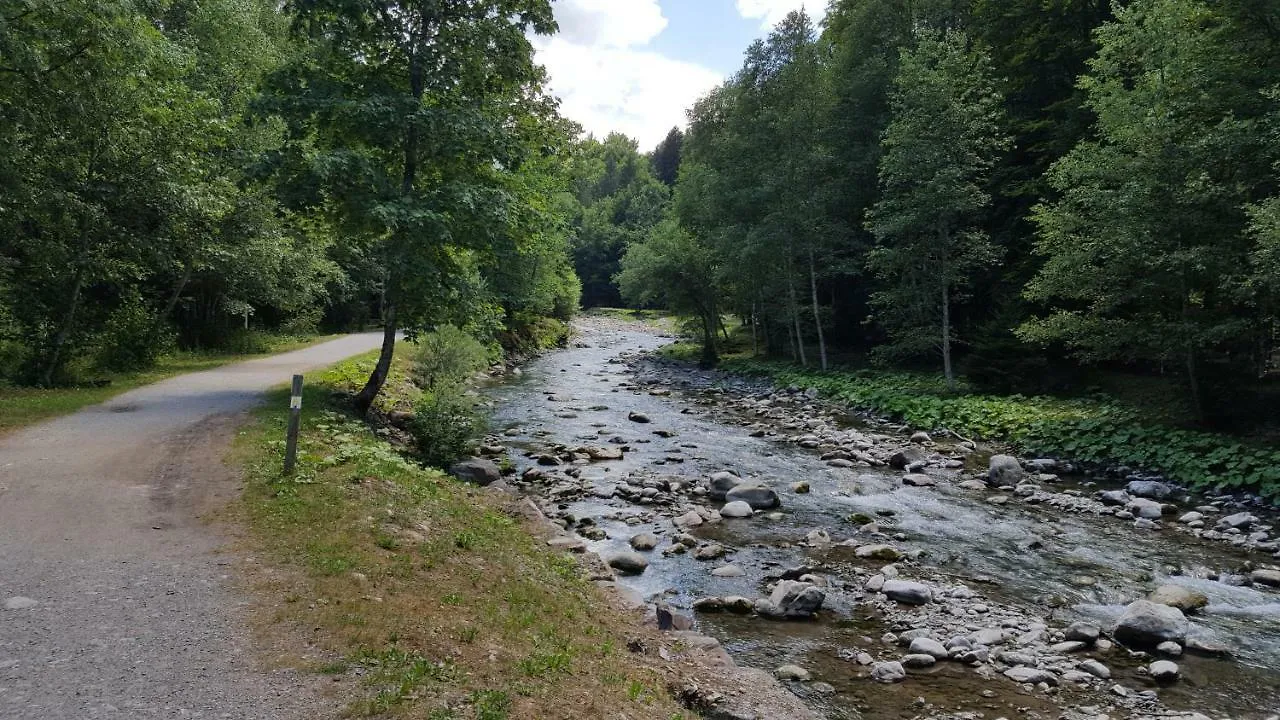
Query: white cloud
[
  {"x": 771, "y": 12},
  {"x": 605, "y": 79}
]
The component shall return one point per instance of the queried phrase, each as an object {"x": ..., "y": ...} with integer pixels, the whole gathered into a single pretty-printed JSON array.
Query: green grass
[
  {"x": 432, "y": 597},
  {"x": 1090, "y": 429},
  {"x": 22, "y": 406}
]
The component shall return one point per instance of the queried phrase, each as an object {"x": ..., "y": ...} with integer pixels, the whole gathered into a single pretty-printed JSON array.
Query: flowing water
[{"x": 1085, "y": 566}]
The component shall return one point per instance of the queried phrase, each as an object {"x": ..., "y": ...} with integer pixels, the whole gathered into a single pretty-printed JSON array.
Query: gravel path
[{"x": 114, "y": 600}]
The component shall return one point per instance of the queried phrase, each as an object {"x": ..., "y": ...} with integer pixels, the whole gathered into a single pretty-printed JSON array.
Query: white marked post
[{"x": 295, "y": 419}]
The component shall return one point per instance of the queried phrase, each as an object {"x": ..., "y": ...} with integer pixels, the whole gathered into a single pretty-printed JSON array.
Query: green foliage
[
  {"x": 131, "y": 339},
  {"x": 939, "y": 148},
  {"x": 447, "y": 356},
  {"x": 1085, "y": 430}
]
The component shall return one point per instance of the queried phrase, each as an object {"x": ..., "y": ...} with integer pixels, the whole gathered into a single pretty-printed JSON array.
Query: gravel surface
[{"x": 114, "y": 599}]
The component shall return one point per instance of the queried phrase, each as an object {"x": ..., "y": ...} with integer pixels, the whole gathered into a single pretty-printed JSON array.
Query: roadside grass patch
[
  {"x": 430, "y": 595},
  {"x": 1083, "y": 429}
]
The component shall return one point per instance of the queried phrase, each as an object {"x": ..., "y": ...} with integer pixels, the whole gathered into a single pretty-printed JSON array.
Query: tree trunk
[
  {"x": 1193, "y": 383},
  {"x": 946, "y": 336},
  {"x": 755, "y": 330},
  {"x": 364, "y": 399},
  {"x": 817, "y": 316},
  {"x": 709, "y": 355},
  {"x": 68, "y": 322},
  {"x": 174, "y": 297},
  {"x": 795, "y": 318}
]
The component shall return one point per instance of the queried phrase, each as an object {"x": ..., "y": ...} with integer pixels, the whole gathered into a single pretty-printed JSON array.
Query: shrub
[
  {"x": 132, "y": 339},
  {"x": 445, "y": 421},
  {"x": 446, "y": 357}
]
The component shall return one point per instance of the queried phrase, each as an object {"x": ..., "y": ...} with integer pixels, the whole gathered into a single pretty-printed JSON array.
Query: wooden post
[{"x": 295, "y": 419}]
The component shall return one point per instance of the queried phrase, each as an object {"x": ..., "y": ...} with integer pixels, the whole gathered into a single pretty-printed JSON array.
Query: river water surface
[{"x": 1079, "y": 567}]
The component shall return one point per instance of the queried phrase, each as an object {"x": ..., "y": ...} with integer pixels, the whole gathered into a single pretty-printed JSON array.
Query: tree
[
  {"x": 939, "y": 148},
  {"x": 421, "y": 108},
  {"x": 665, "y": 159},
  {"x": 1147, "y": 240},
  {"x": 671, "y": 269}
]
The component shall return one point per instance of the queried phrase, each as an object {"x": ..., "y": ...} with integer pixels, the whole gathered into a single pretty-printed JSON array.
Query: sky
[{"x": 635, "y": 66}]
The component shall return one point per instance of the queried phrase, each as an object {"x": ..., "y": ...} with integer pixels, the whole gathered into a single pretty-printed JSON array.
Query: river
[{"x": 1051, "y": 566}]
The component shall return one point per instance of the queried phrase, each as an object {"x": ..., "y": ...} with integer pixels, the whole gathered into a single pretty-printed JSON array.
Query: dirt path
[{"x": 114, "y": 602}]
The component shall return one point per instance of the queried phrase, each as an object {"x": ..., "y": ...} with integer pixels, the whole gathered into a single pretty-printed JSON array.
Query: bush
[
  {"x": 445, "y": 422},
  {"x": 447, "y": 356},
  {"x": 132, "y": 340}
]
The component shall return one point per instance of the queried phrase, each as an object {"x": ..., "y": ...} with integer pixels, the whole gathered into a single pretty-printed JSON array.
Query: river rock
[
  {"x": 1188, "y": 601},
  {"x": 791, "y": 599},
  {"x": 800, "y": 488},
  {"x": 906, "y": 457},
  {"x": 1191, "y": 517},
  {"x": 1023, "y": 674},
  {"x": 929, "y": 646},
  {"x": 1163, "y": 670},
  {"x": 791, "y": 672},
  {"x": 758, "y": 497},
  {"x": 1264, "y": 576},
  {"x": 1153, "y": 489},
  {"x": 878, "y": 552},
  {"x": 627, "y": 563},
  {"x": 888, "y": 672},
  {"x": 1095, "y": 668},
  {"x": 1239, "y": 521},
  {"x": 1115, "y": 497},
  {"x": 918, "y": 480},
  {"x": 1147, "y": 624},
  {"x": 988, "y": 636},
  {"x": 921, "y": 437},
  {"x": 637, "y": 417},
  {"x": 1004, "y": 470},
  {"x": 644, "y": 542},
  {"x": 476, "y": 470},
  {"x": 1085, "y": 632},
  {"x": 736, "y": 509},
  {"x": 711, "y": 551},
  {"x": 910, "y": 593},
  {"x": 604, "y": 453},
  {"x": 721, "y": 483},
  {"x": 1170, "y": 648},
  {"x": 688, "y": 520},
  {"x": 728, "y": 571},
  {"x": 919, "y": 660},
  {"x": 1143, "y": 508}
]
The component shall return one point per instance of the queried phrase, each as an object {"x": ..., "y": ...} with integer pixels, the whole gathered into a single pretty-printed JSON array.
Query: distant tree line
[
  {"x": 1015, "y": 189},
  {"x": 173, "y": 172}
]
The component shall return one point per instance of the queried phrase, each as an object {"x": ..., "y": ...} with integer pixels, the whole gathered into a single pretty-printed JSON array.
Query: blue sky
[{"x": 634, "y": 66}]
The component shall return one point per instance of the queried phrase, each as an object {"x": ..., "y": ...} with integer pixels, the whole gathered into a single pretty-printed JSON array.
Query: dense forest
[
  {"x": 1015, "y": 192},
  {"x": 1021, "y": 191},
  {"x": 190, "y": 173}
]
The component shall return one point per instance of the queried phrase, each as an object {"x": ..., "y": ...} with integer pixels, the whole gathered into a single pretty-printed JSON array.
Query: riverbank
[
  {"x": 1087, "y": 430},
  {"x": 421, "y": 595},
  {"x": 1013, "y": 575}
]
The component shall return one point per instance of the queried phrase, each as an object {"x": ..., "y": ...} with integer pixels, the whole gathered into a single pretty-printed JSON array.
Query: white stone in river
[{"x": 19, "y": 603}]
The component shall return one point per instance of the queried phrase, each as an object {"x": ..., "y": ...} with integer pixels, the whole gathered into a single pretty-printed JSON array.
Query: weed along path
[
  {"x": 113, "y": 600},
  {"x": 780, "y": 526}
]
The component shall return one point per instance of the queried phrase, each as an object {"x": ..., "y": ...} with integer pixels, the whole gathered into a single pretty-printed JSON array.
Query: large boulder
[
  {"x": 476, "y": 470},
  {"x": 1115, "y": 497},
  {"x": 792, "y": 599},
  {"x": 721, "y": 483},
  {"x": 1147, "y": 624},
  {"x": 1004, "y": 470},
  {"x": 1188, "y": 601},
  {"x": 1240, "y": 521},
  {"x": 906, "y": 457},
  {"x": 758, "y": 497}
]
